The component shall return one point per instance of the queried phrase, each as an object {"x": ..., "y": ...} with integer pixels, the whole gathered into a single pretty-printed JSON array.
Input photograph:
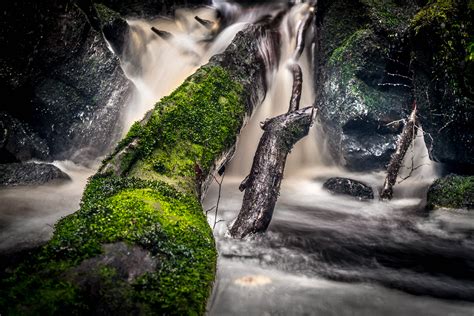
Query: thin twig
[{"x": 218, "y": 199}]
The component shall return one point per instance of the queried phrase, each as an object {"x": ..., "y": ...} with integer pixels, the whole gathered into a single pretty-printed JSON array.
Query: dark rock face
[
  {"x": 349, "y": 187},
  {"x": 29, "y": 174},
  {"x": 379, "y": 57},
  {"x": 18, "y": 142},
  {"x": 443, "y": 65},
  {"x": 452, "y": 191},
  {"x": 148, "y": 8},
  {"x": 68, "y": 86},
  {"x": 116, "y": 30},
  {"x": 362, "y": 88}
]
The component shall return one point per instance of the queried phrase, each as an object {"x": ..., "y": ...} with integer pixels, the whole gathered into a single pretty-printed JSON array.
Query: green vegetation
[
  {"x": 386, "y": 13},
  {"x": 452, "y": 192},
  {"x": 106, "y": 14},
  {"x": 348, "y": 56},
  {"x": 447, "y": 27},
  {"x": 170, "y": 224},
  {"x": 189, "y": 128}
]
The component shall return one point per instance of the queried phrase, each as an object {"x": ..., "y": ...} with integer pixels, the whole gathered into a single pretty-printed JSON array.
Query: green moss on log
[
  {"x": 188, "y": 129},
  {"x": 452, "y": 192},
  {"x": 154, "y": 205},
  {"x": 169, "y": 224}
]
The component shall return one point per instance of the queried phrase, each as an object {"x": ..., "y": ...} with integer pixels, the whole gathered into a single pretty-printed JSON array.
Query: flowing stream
[{"x": 323, "y": 254}]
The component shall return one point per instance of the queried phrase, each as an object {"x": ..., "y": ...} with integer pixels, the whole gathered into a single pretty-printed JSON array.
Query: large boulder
[
  {"x": 18, "y": 142},
  {"x": 378, "y": 58},
  {"x": 362, "y": 87},
  {"x": 443, "y": 64},
  {"x": 29, "y": 174},
  {"x": 67, "y": 85}
]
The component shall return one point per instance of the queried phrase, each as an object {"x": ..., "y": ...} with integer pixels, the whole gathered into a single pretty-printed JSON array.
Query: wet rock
[
  {"x": 106, "y": 279},
  {"x": 13, "y": 174},
  {"x": 67, "y": 85},
  {"x": 443, "y": 63},
  {"x": 349, "y": 187},
  {"x": 375, "y": 58},
  {"x": 452, "y": 191},
  {"x": 115, "y": 28},
  {"x": 363, "y": 85},
  {"x": 18, "y": 142}
]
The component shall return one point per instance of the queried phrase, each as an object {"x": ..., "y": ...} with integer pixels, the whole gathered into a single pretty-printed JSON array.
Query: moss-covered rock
[
  {"x": 452, "y": 191},
  {"x": 442, "y": 36},
  {"x": 364, "y": 84}
]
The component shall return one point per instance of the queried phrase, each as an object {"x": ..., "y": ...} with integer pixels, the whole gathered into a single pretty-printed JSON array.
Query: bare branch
[
  {"x": 206, "y": 23},
  {"x": 406, "y": 138},
  {"x": 297, "y": 86},
  {"x": 162, "y": 34}
]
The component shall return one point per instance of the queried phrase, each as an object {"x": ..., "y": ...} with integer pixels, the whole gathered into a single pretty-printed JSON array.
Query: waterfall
[{"x": 157, "y": 66}]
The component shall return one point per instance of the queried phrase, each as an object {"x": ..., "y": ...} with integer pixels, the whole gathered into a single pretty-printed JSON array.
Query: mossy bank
[
  {"x": 452, "y": 191},
  {"x": 140, "y": 243}
]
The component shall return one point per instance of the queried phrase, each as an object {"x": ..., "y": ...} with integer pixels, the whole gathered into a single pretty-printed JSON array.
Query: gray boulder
[
  {"x": 350, "y": 187},
  {"x": 29, "y": 174},
  {"x": 18, "y": 142}
]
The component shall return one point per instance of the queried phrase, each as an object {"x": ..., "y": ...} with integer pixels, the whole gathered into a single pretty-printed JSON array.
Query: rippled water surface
[{"x": 333, "y": 255}]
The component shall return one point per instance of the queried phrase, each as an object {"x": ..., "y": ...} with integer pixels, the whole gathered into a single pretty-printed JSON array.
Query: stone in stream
[
  {"x": 349, "y": 187},
  {"x": 18, "y": 142},
  {"x": 13, "y": 174}
]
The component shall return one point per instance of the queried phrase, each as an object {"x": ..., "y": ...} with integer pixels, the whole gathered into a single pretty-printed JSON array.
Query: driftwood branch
[
  {"x": 263, "y": 183},
  {"x": 406, "y": 138},
  {"x": 219, "y": 183}
]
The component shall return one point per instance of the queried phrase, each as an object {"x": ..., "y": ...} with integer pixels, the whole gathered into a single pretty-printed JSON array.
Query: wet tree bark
[
  {"x": 262, "y": 185},
  {"x": 406, "y": 138}
]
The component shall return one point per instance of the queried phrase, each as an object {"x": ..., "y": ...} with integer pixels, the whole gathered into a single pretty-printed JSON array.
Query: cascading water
[
  {"x": 276, "y": 103},
  {"x": 316, "y": 240}
]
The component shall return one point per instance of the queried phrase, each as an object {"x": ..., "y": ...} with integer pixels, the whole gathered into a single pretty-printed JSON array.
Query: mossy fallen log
[{"x": 144, "y": 203}]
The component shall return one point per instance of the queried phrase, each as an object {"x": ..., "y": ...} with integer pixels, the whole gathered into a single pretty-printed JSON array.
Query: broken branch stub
[{"x": 262, "y": 186}]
